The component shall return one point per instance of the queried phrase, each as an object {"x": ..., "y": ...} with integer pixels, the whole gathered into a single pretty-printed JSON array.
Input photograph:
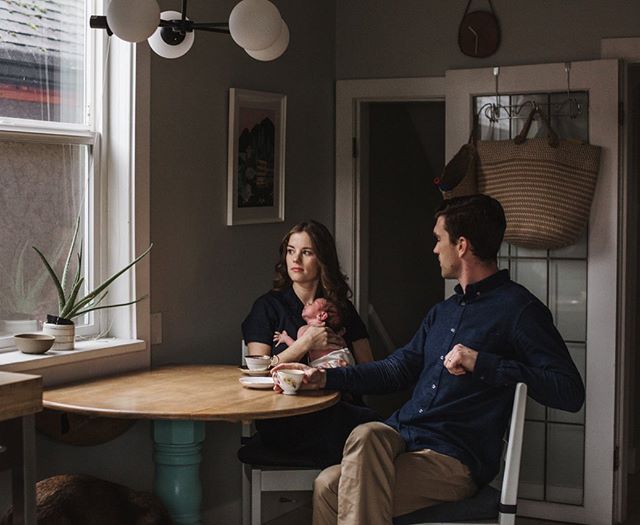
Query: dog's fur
[{"x": 74, "y": 499}]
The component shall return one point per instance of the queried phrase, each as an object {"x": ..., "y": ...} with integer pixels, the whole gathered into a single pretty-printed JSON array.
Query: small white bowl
[
  {"x": 258, "y": 362},
  {"x": 33, "y": 343}
]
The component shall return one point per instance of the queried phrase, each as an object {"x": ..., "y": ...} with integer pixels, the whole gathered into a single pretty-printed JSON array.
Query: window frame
[{"x": 118, "y": 130}]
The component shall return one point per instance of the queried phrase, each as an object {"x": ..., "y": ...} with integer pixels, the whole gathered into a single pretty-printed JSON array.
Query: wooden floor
[{"x": 302, "y": 515}]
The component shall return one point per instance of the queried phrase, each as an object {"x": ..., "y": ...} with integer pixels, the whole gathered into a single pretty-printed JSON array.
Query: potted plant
[{"x": 71, "y": 303}]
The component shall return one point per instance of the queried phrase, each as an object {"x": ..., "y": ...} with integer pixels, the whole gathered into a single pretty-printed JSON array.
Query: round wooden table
[{"x": 179, "y": 399}]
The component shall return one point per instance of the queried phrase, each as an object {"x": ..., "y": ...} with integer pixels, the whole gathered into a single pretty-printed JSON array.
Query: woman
[{"x": 308, "y": 268}]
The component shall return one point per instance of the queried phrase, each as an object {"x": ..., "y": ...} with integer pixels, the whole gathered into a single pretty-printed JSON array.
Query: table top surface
[
  {"x": 194, "y": 392},
  {"x": 20, "y": 395}
]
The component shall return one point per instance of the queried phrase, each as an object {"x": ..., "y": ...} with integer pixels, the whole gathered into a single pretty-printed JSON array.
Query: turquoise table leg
[{"x": 177, "y": 458}]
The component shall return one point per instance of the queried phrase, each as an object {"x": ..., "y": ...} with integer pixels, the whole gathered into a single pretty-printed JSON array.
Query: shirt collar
[
  {"x": 292, "y": 299},
  {"x": 481, "y": 287}
]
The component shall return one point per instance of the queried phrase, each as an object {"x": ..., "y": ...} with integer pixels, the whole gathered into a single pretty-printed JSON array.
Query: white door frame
[
  {"x": 628, "y": 50},
  {"x": 350, "y": 95},
  {"x": 602, "y": 269}
]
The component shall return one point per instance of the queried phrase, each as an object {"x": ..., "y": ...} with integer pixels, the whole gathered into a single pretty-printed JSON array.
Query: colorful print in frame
[{"x": 255, "y": 191}]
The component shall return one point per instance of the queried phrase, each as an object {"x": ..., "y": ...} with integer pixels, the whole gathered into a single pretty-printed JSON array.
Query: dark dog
[{"x": 74, "y": 499}]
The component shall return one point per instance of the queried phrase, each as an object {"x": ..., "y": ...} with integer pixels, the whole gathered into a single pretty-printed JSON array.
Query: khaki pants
[{"x": 377, "y": 480}]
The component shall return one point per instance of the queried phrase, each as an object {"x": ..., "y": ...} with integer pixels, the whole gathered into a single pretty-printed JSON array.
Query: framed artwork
[{"x": 255, "y": 190}]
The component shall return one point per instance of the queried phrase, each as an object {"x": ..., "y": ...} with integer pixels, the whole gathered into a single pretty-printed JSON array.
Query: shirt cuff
[{"x": 487, "y": 367}]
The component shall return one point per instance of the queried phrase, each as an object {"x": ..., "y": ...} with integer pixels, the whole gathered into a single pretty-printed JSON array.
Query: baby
[{"x": 320, "y": 313}]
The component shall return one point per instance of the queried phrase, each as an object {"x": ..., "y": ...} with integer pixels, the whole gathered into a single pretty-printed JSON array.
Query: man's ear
[{"x": 462, "y": 246}]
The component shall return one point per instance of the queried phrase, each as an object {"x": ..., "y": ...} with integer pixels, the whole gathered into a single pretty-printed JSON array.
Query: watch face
[{"x": 479, "y": 34}]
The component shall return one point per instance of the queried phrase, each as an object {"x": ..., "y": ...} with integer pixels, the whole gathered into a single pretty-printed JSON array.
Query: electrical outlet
[{"x": 156, "y": 328}]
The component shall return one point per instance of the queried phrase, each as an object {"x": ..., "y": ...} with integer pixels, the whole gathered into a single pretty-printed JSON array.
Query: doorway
[{"x": 405, "y": 153}]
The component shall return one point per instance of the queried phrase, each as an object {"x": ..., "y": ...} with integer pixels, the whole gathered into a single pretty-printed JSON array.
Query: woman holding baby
[{"x": 308, "y": 269}]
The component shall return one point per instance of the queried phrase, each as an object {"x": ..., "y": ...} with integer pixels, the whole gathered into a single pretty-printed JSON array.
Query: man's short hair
[{"x": 479, "y": 219}]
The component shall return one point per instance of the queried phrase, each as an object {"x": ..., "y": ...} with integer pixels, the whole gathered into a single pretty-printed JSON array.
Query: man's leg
[
  {"x": 325, "y": 496},
  {"x": 426, "y": 478},
  {"x": 376, "y": 480},
  {"x": 367, "y": 476}
]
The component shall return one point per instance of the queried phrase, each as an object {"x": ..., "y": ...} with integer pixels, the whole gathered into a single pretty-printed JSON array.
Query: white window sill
[{"x": 83, "y": 354}]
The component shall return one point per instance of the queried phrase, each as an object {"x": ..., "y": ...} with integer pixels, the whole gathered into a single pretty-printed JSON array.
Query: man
[{"x": 467, "y": 356}]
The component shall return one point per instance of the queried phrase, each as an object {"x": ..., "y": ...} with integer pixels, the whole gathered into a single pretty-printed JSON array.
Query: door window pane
[
  {"x": 565, "y": 463},
  {"x": 553, "y": 450}
]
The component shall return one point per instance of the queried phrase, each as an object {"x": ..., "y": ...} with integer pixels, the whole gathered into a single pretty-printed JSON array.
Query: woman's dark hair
[
  {"x": 333, "y": 283},
  {"x": 479, "y": 219}
]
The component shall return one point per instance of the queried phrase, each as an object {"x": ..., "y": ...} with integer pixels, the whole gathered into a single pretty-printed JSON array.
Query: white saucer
[
  {"x": 256, "y": 382},
  {"x": 254, "y": 372}
]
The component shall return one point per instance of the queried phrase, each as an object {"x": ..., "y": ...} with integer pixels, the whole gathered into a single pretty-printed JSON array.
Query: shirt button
[
  {"x": 453, "y": 330},
  {"x": 420, "y": 411},
  {"x": 441, "y": 358},
  {"x": 463, "y": 303},
  {"x": 433, "y": 386}
]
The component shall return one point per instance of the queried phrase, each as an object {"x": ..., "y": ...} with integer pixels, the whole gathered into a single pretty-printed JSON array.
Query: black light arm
[{"x": 100, "y": 22}]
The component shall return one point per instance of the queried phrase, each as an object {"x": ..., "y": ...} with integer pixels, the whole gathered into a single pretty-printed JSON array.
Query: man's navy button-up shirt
[{"x": 466, "y": 416}]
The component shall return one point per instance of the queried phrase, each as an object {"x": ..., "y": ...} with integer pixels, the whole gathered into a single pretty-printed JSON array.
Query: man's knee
[
  {"x": 367, "y": 433},
  {"x": 327, "y": 481}
]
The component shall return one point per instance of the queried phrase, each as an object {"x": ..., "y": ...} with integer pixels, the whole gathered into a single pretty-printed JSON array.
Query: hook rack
[{"x": 493, "y": 110}]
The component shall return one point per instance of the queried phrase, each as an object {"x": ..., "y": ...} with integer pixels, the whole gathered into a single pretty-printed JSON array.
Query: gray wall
[
  {"x": 409, "y": 38},
  {"x": 205, "y": 275}
]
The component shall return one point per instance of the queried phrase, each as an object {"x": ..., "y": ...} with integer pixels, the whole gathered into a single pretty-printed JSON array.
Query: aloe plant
[{"x": 70, "y": 303}]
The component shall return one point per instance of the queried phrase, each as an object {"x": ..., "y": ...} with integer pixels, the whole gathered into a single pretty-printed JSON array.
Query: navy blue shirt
[
  {"x": 466, "y": 416},
  {"x": 282, "y": 310}
]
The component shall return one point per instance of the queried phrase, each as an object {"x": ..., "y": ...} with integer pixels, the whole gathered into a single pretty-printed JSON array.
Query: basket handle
[{"x": 552, "y": 136}]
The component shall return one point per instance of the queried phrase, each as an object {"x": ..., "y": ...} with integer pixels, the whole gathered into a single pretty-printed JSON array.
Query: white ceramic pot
[{"x": 64, "y": 334}]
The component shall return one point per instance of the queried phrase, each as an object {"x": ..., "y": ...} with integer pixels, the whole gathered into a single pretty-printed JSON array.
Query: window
[
  {"x": 55, "y": 93},
  {"x": 48, "y": 143}
]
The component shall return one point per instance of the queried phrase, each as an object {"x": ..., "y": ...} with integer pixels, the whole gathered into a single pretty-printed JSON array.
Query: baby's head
[{"x": 321, "y": 311}]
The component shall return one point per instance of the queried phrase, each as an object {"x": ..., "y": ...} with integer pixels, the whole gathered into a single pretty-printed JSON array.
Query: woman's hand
[
  {"x": 322, "y": 338},
  {"x": 313, "y": 379}
]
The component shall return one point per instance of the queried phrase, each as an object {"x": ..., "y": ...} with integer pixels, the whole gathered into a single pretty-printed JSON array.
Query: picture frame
[{"x": 256, "y": 155}]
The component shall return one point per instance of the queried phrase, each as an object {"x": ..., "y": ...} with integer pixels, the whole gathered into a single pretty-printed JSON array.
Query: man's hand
[
  {"x": 460, "y": 360},
  {"x": 313, "y": 379}
]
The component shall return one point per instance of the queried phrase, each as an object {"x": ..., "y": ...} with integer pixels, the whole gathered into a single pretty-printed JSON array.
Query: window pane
[
  {"x": 565, "y": 463},
  {"x": 532, "y": 469},
  {"x": 42, "y": 189},
  {"x": 568, "y": 298},
  {"x": 42, "y": 60}
]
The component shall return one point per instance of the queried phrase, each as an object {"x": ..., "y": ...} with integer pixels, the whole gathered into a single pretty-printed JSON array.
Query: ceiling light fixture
[{"x": 255, "y": 25}]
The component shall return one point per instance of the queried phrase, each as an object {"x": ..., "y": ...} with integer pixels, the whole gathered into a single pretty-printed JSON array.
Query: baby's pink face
[{"x": 316, "y": 313}]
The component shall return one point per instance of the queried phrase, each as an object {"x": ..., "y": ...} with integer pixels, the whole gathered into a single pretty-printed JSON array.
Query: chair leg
[
  {"x": 246, "y": 495},
  {"x": 256, "y": 497},
  {"x": 506, "y": 519}
]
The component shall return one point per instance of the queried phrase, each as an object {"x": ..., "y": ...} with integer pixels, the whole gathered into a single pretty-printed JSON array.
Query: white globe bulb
[
  {"x": 133, "y": 20},
  {"x": 276, "y": 49},
  {"x": 255, "y": 24},
  {"x": 164, "y": 49}
]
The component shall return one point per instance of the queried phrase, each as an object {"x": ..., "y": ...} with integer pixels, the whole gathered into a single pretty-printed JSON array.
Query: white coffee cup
[
  {"x": 290, "y": 381},
  {"x": 258, "y": 362}
]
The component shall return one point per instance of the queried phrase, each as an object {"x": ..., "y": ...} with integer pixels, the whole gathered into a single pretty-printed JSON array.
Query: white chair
[
  {"x": 265, "y": 470},
  {"x": 488, "y": 506}
]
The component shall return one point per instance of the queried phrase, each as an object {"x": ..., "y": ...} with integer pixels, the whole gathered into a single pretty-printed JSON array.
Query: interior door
[{"x": 568, "y": 459}]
